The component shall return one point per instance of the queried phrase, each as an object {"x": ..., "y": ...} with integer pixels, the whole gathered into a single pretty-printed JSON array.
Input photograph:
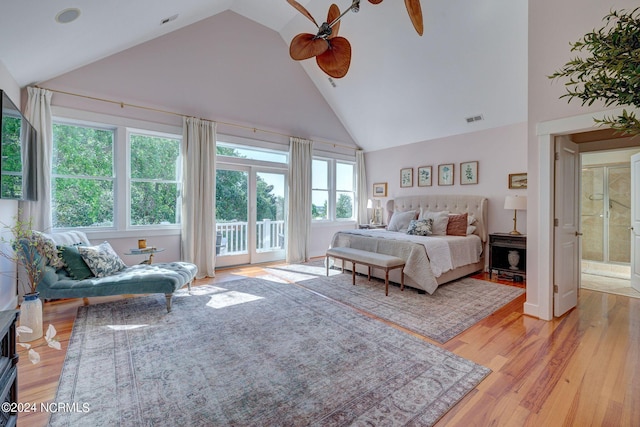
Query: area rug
[
  {"x": 252, "y": 352},
  {"x": 453, "y": 307}
]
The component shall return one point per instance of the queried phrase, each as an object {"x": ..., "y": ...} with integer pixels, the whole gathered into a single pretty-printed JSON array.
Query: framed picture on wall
[
  {"x": 406, "y": 177},
  {"x": 380, "y": 189},
  {"x": 468, "y": 173},
  {"x": 424, "y": 176},
  {"x": 445, "y": 174},
  {"x": 517, "y": 180}
]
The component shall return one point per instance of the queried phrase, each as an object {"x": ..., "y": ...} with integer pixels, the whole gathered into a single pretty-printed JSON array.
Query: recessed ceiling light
[{"x": 67, "y": 15}]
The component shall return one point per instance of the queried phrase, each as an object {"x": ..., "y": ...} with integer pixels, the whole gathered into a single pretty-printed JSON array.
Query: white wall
[
  {"x": 499, "y": 151},
  {"x": 8, "y": 209},
  {"x": 552, "y": 26}
]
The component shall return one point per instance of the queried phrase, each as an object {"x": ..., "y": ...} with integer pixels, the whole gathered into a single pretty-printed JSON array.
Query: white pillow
[
  {"x": 471, "y": 229},
  {"x": 400, "y": 221},
  {"x": 440, "y": 221}
]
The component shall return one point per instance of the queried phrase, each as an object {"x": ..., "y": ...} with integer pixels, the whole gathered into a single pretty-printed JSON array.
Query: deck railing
[{"x": 233, "y": 236}]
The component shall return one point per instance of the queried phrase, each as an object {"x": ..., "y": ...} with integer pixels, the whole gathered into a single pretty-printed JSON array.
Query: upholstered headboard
[{"x": 476, "y": 205}]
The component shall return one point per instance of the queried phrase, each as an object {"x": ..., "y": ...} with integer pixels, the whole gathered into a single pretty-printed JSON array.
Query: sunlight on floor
[
  {"x": 610, "y": 285},
  {"x": 227, "y": 299}
]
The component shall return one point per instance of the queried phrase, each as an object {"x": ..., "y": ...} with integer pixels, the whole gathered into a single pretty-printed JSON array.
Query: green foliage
[
  {"x": 611, "y": 70},
  {"x": 11, "y": 158},
  {"x": 344, "y": 207}
]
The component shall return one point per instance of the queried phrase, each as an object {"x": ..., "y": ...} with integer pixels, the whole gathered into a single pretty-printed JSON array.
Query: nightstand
[{"x": 508, "y": 255}]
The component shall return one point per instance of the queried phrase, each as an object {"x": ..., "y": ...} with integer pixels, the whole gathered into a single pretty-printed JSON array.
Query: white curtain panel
[
  {"x": 361, "y": 188},
  {"x": 299, "y": 216},
  {"x": 38, "y": 113},
  {"x": 199, "y": 194}
]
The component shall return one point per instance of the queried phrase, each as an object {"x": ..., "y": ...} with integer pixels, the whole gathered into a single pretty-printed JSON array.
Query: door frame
[{"x": 542, "y": 295}]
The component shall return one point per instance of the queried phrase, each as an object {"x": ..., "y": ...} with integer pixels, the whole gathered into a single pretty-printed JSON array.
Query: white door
[
  {"x": 566, "y": 269},
  {"x": 635, "y": 222}
]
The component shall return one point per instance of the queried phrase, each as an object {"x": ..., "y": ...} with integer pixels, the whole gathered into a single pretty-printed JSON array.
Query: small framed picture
[
  {"x": 517, "y": 181},
  {"x": 406, "y": 177},
  {"x": 468, "y": 173},
  {"x": 380, "y": 189},
  {"x": 445, "y": 174},
  {"x": 424, "y": 176}
]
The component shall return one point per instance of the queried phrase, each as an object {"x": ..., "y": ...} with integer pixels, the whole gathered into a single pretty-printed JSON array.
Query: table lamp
[{"x": 516, "y": 203}]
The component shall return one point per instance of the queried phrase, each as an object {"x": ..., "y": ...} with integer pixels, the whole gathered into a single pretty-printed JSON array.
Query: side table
[
  {"x": 147, "y": 251},
  {"x": 508, "y": 255}
]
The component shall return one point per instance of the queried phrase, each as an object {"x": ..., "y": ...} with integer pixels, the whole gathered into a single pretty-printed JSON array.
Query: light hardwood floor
[{"x": 580, "y": 370}]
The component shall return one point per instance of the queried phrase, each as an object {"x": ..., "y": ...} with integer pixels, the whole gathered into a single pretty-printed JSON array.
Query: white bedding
[{"x": 443, "y": 253}]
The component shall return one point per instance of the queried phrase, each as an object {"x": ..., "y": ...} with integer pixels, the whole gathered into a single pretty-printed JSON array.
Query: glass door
[
  {"x": 250, "y": 207},
  {"x": 270, "y": 204},
  {"x": 232, "y": 215}
]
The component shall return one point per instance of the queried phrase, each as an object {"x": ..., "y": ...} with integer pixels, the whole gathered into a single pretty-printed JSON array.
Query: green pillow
[{"x": 74, "y": 264}]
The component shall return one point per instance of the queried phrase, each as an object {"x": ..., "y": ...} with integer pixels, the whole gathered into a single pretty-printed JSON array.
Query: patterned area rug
[
  {"x": 453, "y": 307},
  {"x": 252, "y": 353}
]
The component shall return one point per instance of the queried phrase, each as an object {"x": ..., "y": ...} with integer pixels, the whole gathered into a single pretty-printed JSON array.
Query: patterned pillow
[
  {"x": 47, "y": 249},
  {"x": 420, "y": 227},
  {"x": 102, "y": 259}
]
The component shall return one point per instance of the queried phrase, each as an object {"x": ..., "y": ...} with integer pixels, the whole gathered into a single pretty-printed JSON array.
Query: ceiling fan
[{"x": 332, "y": 52}]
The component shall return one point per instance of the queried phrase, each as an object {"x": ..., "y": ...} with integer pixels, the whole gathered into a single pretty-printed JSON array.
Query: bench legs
[{"x": 386, "y": 273}]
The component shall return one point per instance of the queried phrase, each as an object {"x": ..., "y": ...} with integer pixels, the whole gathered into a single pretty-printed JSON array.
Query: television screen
[{"x": 17, "y": 154}]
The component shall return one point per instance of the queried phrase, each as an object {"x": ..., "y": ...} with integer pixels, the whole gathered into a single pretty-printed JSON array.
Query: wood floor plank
[{"x": 582, "y": 369}]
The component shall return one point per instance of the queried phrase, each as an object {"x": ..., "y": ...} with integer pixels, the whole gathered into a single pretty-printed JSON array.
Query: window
[
  {"x": 155, "y": 166},
  {"x": 83, "y": 176},
  {"x": 333, "y": 190},
  {"x": 319, "y": 189},
  {"x": 345, "y": 190}
]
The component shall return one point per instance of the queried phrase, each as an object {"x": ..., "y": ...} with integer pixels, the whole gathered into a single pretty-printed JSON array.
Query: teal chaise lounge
[{"x": 165, "y": 278}]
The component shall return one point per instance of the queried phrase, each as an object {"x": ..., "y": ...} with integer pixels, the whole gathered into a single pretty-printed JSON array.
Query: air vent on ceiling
[
  {"x": 169, "y": 19},
  {"x": 474, "y": 118}
]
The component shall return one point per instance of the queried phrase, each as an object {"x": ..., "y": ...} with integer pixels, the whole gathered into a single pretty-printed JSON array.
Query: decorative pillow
[
  {"x": 471, "y": 219},
  {"x": 471, "y": 229},
  {"x": 420, "y": 227},
  {"x": 400, "y": 221},
  {"x": 102, "y": 259},
  {"x": 47, "y": 249},
  {"x": 457, "y": 225},
  {"x": 440, "y": 220},
  {"x": 74, "y": 264}
]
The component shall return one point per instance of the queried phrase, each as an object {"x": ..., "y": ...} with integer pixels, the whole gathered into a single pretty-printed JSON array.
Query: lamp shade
[{"x": 516, "y": 202}]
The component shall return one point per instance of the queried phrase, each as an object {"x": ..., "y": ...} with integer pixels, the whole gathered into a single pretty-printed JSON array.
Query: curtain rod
[{"x": 158, "y": 110}]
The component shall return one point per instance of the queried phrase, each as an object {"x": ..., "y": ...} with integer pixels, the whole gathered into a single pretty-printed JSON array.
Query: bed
[{"x": 433, "y": 260}]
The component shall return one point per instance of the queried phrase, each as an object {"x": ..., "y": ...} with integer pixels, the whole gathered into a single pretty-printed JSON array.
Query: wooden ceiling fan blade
[
  {"x": 337, "y": 59},
  {"x": 415, "y": 13},
  {"x": 305, "y": 46},
  {"x": 334, "y": 12},
  {"x": 302, "y": 10}
]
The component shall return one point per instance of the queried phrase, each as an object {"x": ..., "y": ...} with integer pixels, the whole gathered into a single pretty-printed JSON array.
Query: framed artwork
[
  {"x": 518, "y": 180},
  {"x": 424, "y": 176},
  {"x": 406, "y": 177},
  {"x": 468, "y": 173},
  {"x": 445, "y": 174},
  {"x": 380, "y": 189}
]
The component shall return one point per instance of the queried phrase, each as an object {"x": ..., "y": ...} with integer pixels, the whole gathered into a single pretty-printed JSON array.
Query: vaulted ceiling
[{"x": 401, "y": 88}]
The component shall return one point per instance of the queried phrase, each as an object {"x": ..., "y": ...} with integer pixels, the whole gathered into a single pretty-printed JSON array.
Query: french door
[{"x": 251, "y": 203}]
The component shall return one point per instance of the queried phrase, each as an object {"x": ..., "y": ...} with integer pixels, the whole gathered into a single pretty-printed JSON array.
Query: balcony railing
[{"x": 233, "y": 236}]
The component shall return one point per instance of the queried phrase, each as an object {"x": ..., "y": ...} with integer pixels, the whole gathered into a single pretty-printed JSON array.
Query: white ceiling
[{"x": 400, "y": 89}]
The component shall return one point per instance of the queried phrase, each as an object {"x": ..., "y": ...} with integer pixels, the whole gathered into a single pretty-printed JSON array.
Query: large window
[
  {"x": 333, "y": 190},
  {"x": 114, "y": 177},
  {"x": 83, "y": 176},
  {"x": 155, "y": 165}
]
